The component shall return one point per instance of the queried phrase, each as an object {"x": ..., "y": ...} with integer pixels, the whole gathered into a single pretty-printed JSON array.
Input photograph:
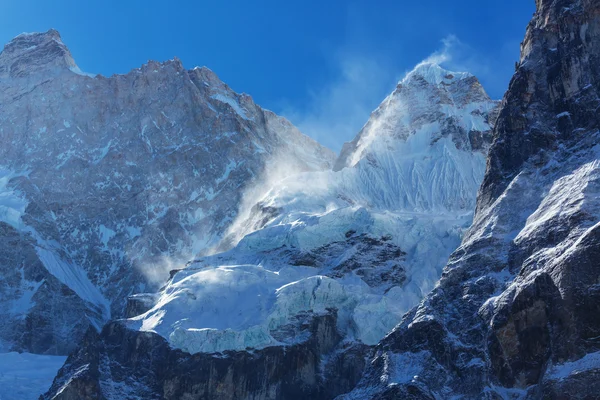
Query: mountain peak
[
  {"x": 430, "y": 100},
  {"x": 29, "y": 53},
  {"x": 435, "y": 74},
  {"x": 50, "y": 34}
]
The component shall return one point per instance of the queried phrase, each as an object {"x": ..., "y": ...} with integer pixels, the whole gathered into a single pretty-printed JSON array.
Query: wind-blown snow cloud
[
  {"x": 336, "y": 112},
  {"x": 461, "y": 57},
  {"x": 444, "y": 55}
]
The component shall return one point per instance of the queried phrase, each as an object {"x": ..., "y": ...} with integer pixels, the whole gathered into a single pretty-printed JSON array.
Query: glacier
[{"x": 403, "y": 192}]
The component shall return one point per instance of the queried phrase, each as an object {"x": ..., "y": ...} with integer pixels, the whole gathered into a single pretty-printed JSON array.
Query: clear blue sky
[{"x": 323, "y": 64}]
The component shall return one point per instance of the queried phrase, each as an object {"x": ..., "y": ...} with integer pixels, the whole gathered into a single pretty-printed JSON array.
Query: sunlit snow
[{"x": 409, "y": 183}]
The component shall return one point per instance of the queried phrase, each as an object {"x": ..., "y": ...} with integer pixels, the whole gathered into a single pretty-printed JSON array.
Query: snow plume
[
  {"x": 337, "y": 111},
  {"x": 457, "y": 55},
  {"x": 156, "y": 271},
  {"x": 250, "y": 216},
  {"x": 443, "y": 55}
]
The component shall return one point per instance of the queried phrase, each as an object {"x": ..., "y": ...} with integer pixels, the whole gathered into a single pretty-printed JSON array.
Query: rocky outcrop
[
  {"x": 35, "y": 56},
  {"x": 515, "y": 312},
  {"x": 123, "y": 364}
]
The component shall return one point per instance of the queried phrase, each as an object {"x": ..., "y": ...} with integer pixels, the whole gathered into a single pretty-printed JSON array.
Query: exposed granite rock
[{"x": 553, "y": 97}]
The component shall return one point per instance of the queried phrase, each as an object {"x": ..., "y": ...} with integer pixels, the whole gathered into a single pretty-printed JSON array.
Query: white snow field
[
  {"x": 408, "y": 181},
  {"x": 25, "y": 376}
]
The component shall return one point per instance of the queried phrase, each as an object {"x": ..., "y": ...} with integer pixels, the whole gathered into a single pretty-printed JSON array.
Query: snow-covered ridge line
[
  {"x": 429, "y": 93},
  {"x": 434, "y": 74}
]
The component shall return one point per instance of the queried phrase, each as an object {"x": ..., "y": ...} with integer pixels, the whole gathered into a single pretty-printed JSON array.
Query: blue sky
[{"x": 324, "y": 64}]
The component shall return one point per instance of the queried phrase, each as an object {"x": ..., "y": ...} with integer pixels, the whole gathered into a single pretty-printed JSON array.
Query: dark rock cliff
[{"x": 123, "y": 364}]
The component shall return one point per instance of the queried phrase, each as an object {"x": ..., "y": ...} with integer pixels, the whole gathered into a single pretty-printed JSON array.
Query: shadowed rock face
[
  {"x": 552, "y": 99},
  {"x": 115, "y": 179},
  {"x": 28, "y": 288},
  {"x": 124, "y": 364},
  {"x": 516, "y": 311}
]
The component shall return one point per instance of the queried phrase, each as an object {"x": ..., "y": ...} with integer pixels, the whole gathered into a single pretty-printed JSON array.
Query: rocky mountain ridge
[{"x": 111, "y": 181}]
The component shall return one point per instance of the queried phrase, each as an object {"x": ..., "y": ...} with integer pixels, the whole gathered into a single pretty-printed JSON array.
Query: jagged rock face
[
  {"x": 553, "y": 102},
  {"x": 33, "y": 56},
  {"x": 515, "y": 314},
  {"x": 117, "y": 178},
  {"x": 124, "y": 364}
]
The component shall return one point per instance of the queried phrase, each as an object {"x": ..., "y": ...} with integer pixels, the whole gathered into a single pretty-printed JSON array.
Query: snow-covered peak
[
  {"x": 29, "y": 53},
  {"x": 368, "y": 241},
  {"x": 430, "y": 103},
  {"x": 433, "y": 73}
]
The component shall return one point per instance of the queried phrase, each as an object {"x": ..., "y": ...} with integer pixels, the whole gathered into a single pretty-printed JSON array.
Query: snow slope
[
  {"x": 368, "y": 240},
  {"x": 24, "y": 376}
]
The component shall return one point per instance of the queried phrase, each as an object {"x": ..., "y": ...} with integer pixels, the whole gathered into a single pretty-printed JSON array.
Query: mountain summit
[
  {"x": 107, "y": 183},
  {"x": 429, "y": 95},
  {"x": 35, "y": 53}
]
